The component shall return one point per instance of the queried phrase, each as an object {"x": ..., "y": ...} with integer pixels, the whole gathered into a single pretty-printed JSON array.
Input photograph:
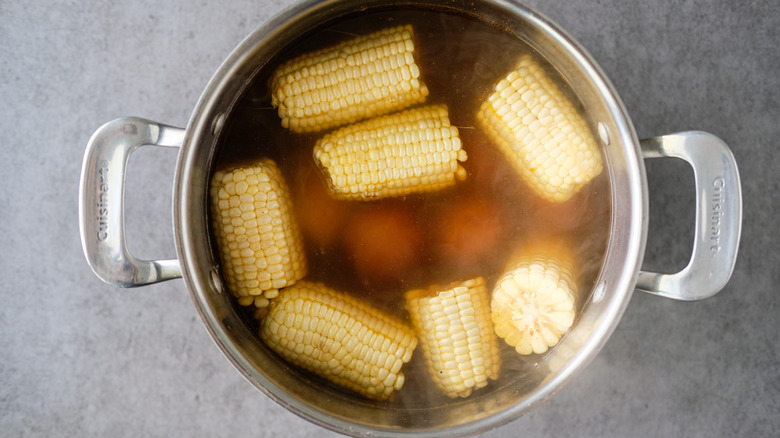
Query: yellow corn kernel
[
  {"x": 413, "y": 151},
  {"x": 455, "y": 331},
  {"x": 259, "y": 244},
  {"x": 363, "y": 77},
  {"x": 533, "y": 303},
  {"x": 339, "y": 338},
  {"x": 540, "y": 132}
]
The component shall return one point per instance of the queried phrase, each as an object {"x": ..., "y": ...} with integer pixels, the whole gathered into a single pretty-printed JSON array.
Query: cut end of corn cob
[
  {"x": 364, "y": 77},
  {"x": 541, "y": 133},
  {"x": 533, "y": 305},
  {"x": 414, "y": 151},
  {"x": 454, "y": 328},
  {"x": 259, "y": 244},
  {"x": 339, "y": 338}
]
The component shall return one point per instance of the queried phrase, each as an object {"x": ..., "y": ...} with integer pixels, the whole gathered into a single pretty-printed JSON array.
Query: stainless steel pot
[{"x": 717, "y": 229}]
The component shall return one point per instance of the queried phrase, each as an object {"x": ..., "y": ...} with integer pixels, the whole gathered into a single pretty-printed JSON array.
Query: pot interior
[{"x": 226, "y": 115}]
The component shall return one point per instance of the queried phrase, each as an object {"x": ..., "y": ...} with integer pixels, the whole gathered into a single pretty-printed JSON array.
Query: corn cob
[
  {"x": 533, "y": 304},
  {"x": 413, "y": 151},
  {"x": 456, "y": 334},
  {"x": 364, "y": 77},
  {"x": 258, "y": 240},
  {"x": 540, "y": 132},
  {"x": 339, "y": 338}
]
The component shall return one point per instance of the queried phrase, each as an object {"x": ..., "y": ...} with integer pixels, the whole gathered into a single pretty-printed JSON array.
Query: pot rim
[{"x": 190, "y": 196}]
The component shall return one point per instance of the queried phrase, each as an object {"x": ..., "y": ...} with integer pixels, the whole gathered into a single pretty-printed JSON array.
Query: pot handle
[
  {"x": 101, "y": 202},
  {"x": 718, "y": 216}
]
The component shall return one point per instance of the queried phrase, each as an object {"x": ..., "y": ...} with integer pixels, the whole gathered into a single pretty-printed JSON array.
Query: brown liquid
[{"x": 380, "y": 249}]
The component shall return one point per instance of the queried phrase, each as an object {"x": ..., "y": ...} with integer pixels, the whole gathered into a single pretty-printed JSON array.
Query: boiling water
[{"x": 378, "y": 250}]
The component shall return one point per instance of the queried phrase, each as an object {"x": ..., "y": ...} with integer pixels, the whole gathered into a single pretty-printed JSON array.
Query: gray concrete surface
[{"x": 81, "y": 358}]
